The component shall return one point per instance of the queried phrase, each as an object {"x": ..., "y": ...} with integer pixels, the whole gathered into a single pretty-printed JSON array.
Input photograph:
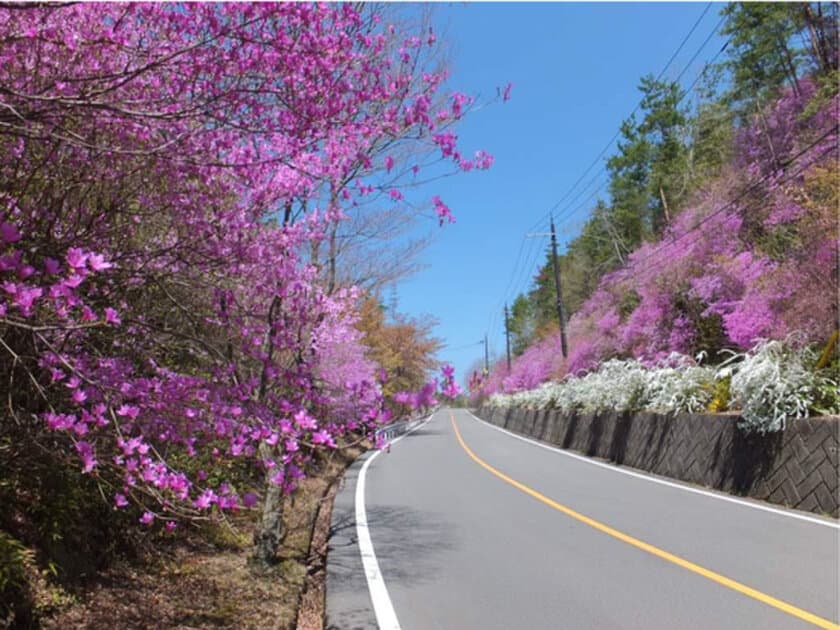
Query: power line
[
  {"x": 700, "y": 49},
  {"x": 685, "y": 40},
  {"x": 527, "y": 267},
  {"x": 686, "y": 93},
  {"x": 464, "y": 347},
  {"x": 753, "y": 187},
  {"x": 656, "y": 264},
  {"x": 635, "y": 109}
]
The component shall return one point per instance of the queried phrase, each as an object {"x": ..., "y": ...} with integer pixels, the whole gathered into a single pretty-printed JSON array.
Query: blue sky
[{"x": 575, "y": 69}]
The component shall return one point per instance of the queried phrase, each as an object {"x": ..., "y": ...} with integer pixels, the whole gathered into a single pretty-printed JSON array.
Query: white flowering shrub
[
  {"x": 771, "y": 384},
  {"x": 682, "y": 389},
  {"x": 619, "y": 385}
]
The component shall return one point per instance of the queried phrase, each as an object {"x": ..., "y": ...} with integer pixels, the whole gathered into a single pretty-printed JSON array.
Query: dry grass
[{"x": 208, "y": 582}]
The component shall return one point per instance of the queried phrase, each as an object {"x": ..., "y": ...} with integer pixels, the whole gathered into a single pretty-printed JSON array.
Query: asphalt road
[{"x": 474, "y": 528}]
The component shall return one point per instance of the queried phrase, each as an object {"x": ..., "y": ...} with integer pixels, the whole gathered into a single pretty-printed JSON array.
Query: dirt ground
[{"x": 207, "y": 580}]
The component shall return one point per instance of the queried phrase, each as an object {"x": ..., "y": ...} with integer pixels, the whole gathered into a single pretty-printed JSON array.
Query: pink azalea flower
[
  {"x": 85, "y": 451},
  {"x": 97, "y": 262},
  {"x": 111, "y": 316},
  {"x": 73, "y": 281},
  {"x": 442, "y": 210},
  {"x": 9, "y": 233},
  {"x": 128, "y": 410},
  {"x": 323, "y": 437},
  {"x": 305, "y": 421},
  {"x": 76, "y": 258},
  {"x": 25, "y": 298},
  {"x": 205, "y": 500}
]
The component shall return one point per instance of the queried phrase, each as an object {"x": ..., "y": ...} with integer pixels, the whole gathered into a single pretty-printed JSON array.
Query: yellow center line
[{"x": 656, "y": 551}]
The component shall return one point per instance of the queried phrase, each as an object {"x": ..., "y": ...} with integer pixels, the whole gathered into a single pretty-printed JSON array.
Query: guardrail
[{"x": 401, "y": 427}]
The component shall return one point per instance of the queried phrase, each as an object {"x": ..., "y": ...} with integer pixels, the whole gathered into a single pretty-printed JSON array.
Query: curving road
[{"x": 472, "y": 527}]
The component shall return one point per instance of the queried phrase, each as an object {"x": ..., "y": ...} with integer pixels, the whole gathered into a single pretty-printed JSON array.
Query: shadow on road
[{"x": 409, "y": 545}]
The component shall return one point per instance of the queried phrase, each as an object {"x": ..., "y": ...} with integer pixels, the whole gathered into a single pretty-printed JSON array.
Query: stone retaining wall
[{"x": 797, "y": 467}]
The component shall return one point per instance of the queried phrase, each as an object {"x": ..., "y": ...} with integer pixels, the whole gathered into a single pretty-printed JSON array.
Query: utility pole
[
  {"x": 507, "y": 336},
  {"x": 564, "y": 348},
  {"x": 486, "y": 356}
]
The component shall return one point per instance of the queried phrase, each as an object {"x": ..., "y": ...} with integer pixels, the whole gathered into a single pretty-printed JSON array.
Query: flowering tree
[{"x": 172, "y": 168}]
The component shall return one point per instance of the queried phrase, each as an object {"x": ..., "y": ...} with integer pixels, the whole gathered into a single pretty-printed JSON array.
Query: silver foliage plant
[
  {"x": 774, "y": 383},
  {"x": 771, "y": 384}
]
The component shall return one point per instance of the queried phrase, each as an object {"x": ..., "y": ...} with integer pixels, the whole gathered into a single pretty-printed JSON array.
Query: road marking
[
  {"x": 664, "y": 482},
  {"x": 386, "y": 617},
  {"x": 656, "y": 551}
]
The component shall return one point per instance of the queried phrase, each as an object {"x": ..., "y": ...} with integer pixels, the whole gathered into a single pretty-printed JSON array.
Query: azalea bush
[
  {"x": 166, "y": 324},
  {"x": 753, "y": 256}
]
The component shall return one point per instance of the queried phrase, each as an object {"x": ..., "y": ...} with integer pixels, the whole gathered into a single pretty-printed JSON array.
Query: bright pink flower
[
  {"x": 73, "y": 281},
  {"x": 25, "y": 298},
  {"x": 76, "y": 258},
  {"x": 85, "y": 451},
  {"x": 97, "y": 262},
  {"x": 205, "y": 500},
  {"x": 323, "y": 437},
  {"x": 305, "y": 421},
  {"x": 442, "y": 210},
  {"x": 111, "y": 316},
  {"x": 130, "y": 411}
]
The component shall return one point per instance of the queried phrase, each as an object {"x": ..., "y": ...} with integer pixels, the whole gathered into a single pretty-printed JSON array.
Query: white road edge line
[
  {"x": 386, "y": 617},
  {"x": 671, "y": 484}
]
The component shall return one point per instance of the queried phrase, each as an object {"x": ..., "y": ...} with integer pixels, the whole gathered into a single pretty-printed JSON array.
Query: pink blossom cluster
[
  {"x": 170, "y": 168},
  {"x": 426, "y": 397},
  {"x": 754, "y": 256}
]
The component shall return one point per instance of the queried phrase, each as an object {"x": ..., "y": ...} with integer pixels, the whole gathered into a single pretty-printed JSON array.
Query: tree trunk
[
  {"x": 332, "y": 262},
  {"x": 818, "y": 46},
  {"x": 791, "y": 68},
  {"x": 270, "y": 531},
  {"x": 665, "y": 206},
  {"x": 766, "y": 129}
]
